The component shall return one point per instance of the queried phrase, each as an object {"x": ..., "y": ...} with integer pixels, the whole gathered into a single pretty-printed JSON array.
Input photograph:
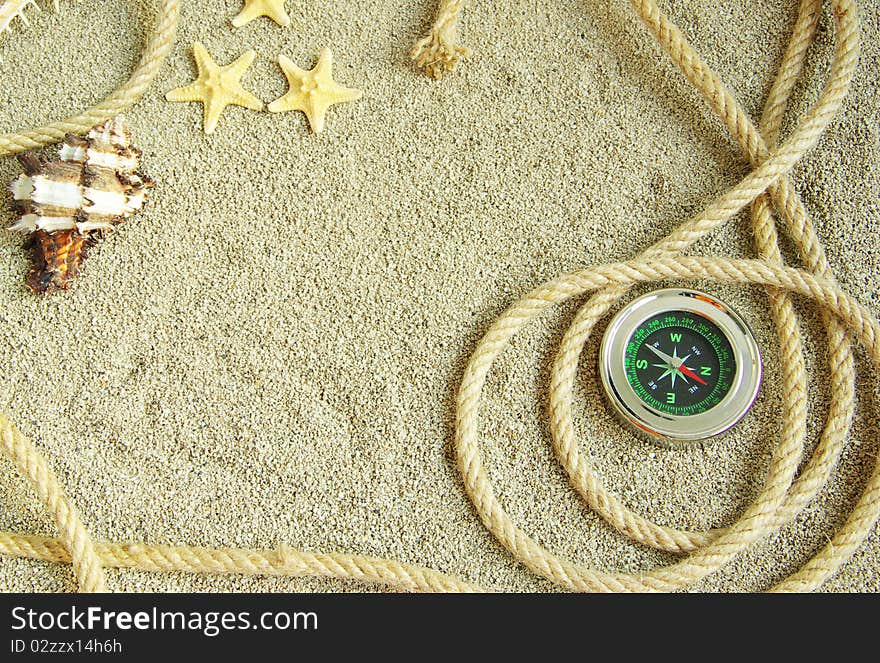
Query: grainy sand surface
[{"x": 269, "y": 353}]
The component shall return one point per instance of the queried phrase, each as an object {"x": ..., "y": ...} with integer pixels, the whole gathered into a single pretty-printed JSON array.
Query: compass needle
[{"x": 665, "y": 357}]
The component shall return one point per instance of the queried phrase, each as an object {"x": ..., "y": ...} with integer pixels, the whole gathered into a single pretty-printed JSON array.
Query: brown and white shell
[{"x": 67, "y": 204}]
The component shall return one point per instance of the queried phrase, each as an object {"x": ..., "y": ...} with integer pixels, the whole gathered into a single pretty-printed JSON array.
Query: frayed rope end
[{"x": 437, "y": 54}]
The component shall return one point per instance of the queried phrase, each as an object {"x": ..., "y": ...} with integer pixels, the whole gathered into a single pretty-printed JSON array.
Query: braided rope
[
  {"x": 74, "y": 537},
  {"x": 148, "y": 66},
  {"x": 281, "y": 562},
  {"x": 775, "y": 505},
  {"x": 831, "y": 444},
  {"x": 770, "y": 193}
]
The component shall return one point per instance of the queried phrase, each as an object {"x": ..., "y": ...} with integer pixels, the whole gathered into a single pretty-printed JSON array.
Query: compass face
[
  {"x": 679, "y": 366},
  {"x": 679, "y": 363}
]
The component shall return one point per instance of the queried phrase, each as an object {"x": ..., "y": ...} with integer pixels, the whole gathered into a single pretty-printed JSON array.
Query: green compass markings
[{"x": 693, "y": 387}]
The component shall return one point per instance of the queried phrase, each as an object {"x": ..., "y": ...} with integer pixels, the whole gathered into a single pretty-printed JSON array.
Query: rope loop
[{"x": 148, "y": 66}]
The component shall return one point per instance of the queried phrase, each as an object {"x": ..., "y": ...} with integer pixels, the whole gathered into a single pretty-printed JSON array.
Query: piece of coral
[
  {"x": 274, "y": 9},
  {"x": 217, "y": 86},
  {"x": 312, "y": 92},
  {"x": 66, "y": 205}
]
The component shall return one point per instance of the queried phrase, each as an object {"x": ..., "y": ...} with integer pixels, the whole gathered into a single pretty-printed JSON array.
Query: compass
[{"x": 680, "y": 365}]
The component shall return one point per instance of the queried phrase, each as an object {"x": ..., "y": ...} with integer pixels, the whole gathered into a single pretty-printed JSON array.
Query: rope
[
  {"x": 74, "y": 536},
  {"x": 770, "y": 195},
  {"x": 148, "y": 66},
  {"x": 785, "y": 320},
  {"x": 281, "y": 562},
  {"x": 438, "y": 53}
]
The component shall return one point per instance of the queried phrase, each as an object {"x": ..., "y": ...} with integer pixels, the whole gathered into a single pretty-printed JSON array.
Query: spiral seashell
[{"x": 67, "y": 204}]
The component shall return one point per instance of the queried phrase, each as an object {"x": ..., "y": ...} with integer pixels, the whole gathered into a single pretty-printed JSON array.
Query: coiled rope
[
  {"x": 148, "y": 66},
  {"x": 770, "y": 193}
]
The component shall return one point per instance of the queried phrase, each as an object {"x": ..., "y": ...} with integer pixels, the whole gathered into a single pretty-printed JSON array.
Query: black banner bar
[{"x": 132, "y": 626}]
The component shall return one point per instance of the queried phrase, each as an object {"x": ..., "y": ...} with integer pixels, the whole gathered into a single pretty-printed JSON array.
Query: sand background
[{"x": 269, "y": 353}]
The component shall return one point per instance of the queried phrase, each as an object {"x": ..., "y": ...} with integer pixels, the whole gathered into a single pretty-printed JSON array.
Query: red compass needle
[{"x": 684, "y": 369}]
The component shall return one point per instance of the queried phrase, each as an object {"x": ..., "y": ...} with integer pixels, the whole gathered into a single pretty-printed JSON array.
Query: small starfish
[
  {"x": 274, "y": 9},
  {"x": 312, "y": 92},
  {"x": 217, "y": 86}
]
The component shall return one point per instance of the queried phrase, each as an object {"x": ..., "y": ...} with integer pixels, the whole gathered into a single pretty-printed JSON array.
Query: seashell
[
  {"x": 67, "y": 204},
  {"x": 12, "y": 9},
  {"x": 57, "y": 257}
]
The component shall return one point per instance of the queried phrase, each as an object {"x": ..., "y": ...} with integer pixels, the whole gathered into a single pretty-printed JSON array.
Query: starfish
[
  {"x": 217, "y": 86},
  {"x": 312, "y": 92},
  {"x": 274, "y": 9}
]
